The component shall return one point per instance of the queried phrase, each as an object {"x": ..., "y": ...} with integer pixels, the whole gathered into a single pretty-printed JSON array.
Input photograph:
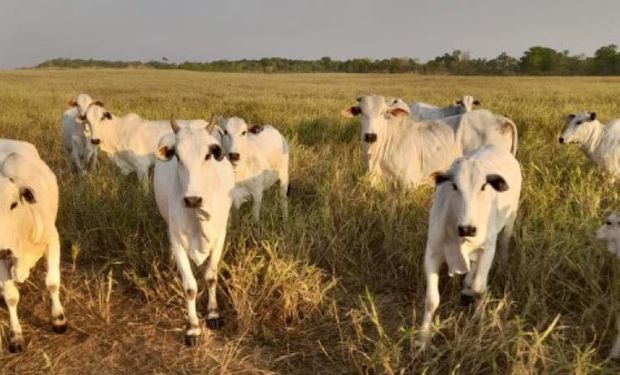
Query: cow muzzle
[
  {"x": 95, "y": 141},
  {"x": 193, "y": 202},
  {"x": 466, "y": 230},
  {"x": 234, "y": 157},
  {"x": 370, "y": 137}
]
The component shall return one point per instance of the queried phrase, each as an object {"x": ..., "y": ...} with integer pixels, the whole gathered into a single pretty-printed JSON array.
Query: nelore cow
[
  {"x": 79, "y": 149},
  {"x": 397, "y": 150},
  {"x": 474, "y": 207},
  {"x": 260, "y": 156},
  {"x": 28, "y": 209},
  {"x": 130, "y": 141},
  {"x": 193, "y": 183},
  {"x": 600, "y": 143},
  {"x": 423, "y": 111},
  {"x": 610, "y": 234}
]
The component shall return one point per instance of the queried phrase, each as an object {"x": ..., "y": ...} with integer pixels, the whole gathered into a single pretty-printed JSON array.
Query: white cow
[
  {"x": 259, "y": 155},
  {"x": 130, "y": 141},
  {"x": 28, "y": 209},
  {"x": 610, "y": 233},
  {"x": 477, "y": 128},
  {"x": 396, "y": 149},
  {"x": 79, "y": 148},
  {"x": 475, "y": 202},
  {"x": 601, "y": 143},
  {"x": 423, "y": 111},
  {"x": 194, "y": 185}
]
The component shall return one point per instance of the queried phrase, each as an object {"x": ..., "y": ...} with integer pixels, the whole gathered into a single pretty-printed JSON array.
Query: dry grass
[{"x": 339, "y": 288}]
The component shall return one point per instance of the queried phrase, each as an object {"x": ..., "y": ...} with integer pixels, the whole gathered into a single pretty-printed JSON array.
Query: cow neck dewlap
[
  {"x": 110, "y": 135},
  {"x": 590, "y": 145}
]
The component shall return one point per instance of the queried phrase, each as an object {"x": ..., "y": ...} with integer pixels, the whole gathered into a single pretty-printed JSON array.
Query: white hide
[
  {"x": 475, "y": 202},
  {"x": 193, "y": 184},
  {"x": 28, "y": 209},
  {"x": 405, "y": 153},
  {"x": 79, "y": 151},
  {"x": 423, "y": 111},
  {"x": 601, "y": 143},
  {"x": 260, "y": 156},
  {"x": 609, "y": 233}
]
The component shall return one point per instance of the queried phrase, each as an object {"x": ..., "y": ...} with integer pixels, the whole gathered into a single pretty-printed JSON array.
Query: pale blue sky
[{"x": 199, "y": 30}]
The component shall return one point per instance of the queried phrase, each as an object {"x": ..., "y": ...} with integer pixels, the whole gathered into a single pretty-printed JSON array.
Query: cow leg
[
  {"x": 11, "y": 298},
  {"x": 504, "y": 240},
  {"x": 467, "y": 296},
  {"x": 431, "y": 267},
  {"x": 92, "y": 162},
  {"x": 615, "y": 351},
  {"x": 52, "y": 280},
  {"x": 191, "y": 290},
  {"x": 257, "y": 201},
  {"x": 284, "y": 198},
  {"x": 214, "y": 320},
  {"x": 479, "y": 283}
]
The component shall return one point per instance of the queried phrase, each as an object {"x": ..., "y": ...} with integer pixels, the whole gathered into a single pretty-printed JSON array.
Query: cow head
[
  {"x": 195, "y": 151},
  {"x": 17, "y": 220},
  {"x": 235, "y": 134},
  {"x": 579, "y": 128},
  {"x": 81, "y": 103},
  {"x": 95, "y": 118},
  {"x": 473, "y": 191},
  {"x": 609, "y": 232},
  {"x": 466, "y": 103},
  {"x": 374, "y": 111}
]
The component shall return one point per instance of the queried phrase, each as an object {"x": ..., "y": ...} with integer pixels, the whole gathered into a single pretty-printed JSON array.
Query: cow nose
[
  {"x": 193, "y": 202},
  {"x": 467, "y": 231},
  {"x": 95, "y": 141},
  {"x": 233, "y": 156},
  {"x": 370, "y": 137},
  {"x": 561, "y": 139}
]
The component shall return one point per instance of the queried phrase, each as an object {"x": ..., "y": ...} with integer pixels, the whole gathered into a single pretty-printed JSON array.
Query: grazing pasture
[{"x": 339, "y": 287}]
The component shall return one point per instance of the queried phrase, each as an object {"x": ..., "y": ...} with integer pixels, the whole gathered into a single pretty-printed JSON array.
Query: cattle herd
[{"x": 202, "y": 169}]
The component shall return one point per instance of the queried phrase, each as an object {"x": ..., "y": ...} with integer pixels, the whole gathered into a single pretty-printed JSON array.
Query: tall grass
[{"x": 339, "y": 287}]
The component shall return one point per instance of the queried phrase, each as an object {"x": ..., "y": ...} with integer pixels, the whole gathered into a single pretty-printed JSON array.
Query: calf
[
  {"x": 423, "y": 111},
  {"x": 601, "y": 143},
  {"x": 259, "y": 155},
  {"x": 194, "y": 184},
  {"x": 610, "y": 233},
  {"x": 79, "y": 149},
  {"x": 28, "y": 209},
  {"x": 475, "y": 202}
]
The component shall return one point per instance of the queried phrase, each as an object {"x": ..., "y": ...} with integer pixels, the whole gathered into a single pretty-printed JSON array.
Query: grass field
[{"x": 339, "y": 288}]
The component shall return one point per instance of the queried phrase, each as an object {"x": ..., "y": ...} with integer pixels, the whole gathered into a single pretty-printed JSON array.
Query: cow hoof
[
  {"x": 215, "y": 323},
  {"x": 191, "y": 340},
  {"x": 59, "y": 328},
  {"x": 16, "y": 346},
  {"x": 467, "y": 300}
]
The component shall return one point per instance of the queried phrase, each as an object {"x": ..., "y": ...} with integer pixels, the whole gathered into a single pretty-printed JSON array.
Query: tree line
[{"x": 535, "y": 61}]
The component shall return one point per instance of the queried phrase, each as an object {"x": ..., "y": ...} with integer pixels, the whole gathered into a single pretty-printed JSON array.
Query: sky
[{"x": 32, "y": 31}]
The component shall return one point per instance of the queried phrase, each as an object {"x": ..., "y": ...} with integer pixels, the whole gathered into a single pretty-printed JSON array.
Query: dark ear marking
[
  {"x": 217, "y": 152},
  {"x": 98, "y": 102},
  {"x": 256, "y": 128},
  {"x": 396, "y": 112},
  {"x": 72, "y": 103},
  {"x": 476, "y": 102},
  {"x": 440, "y": 178},
  {"x": 26, "y": 194},
  {"x": 166, "y": 152},
  {"x": 107, "y": 115},
  {"x": 498, "y": 182},
  {"x": 570, "y": 117},
  {"x": 5, "y": 254},
  {"x": 592, "y": 116},
  {"x": 458, "y": 102}
]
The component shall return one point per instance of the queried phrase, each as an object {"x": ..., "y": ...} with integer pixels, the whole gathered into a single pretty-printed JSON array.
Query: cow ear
[
  {"x": 458, "y": 102},
  {"x": 166, "y": 148},
  {"x": 26, "y": 194},
  {"x": 476, "y": 102},
  {"x": 351, "y": 111},
  {"x": 498, "y": 182},
  {"x": 72, "y": 103},
  {"x": 570, "y": 117},
  {"x": 107, "y": 115},
  {"x": 440, "y": 178},
  {"x": 217, "y": 152},
  {"x": 592, "y": 116},
  {"x": 5, "y": 254},
  {"x": 256, "y": 128},
  {"x": 398, "y": 112},
  {"x": 98, "y": 102}
]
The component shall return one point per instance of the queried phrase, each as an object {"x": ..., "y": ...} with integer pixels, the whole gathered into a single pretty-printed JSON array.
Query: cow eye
[
  {"x": 455, "y": 187},
  {"x": 13, "y": 205},
  {"x": 243, "y": 132},
  {"x": 608, "y": 222},
  {"x": 483, "y": 186},
  {"x": 225, "y": 132},
  {"x": 579, "y": 123},
  {"x": 208, "y": 156}
]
